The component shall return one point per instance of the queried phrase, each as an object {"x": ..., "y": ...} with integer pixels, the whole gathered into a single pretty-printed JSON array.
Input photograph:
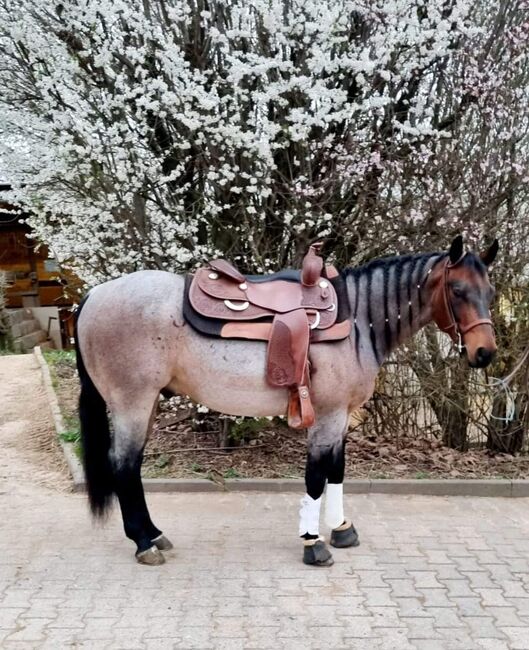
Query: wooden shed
[{"x": 34, "y": 279}]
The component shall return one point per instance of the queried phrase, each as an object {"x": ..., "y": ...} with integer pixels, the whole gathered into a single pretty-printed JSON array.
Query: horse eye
[{"x": 458, "y": 292}]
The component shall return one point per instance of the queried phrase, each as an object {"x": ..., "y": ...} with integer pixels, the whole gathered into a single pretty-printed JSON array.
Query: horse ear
[
  {"x": 488, "y": 256},
  {"x": 456, "y": 250}
]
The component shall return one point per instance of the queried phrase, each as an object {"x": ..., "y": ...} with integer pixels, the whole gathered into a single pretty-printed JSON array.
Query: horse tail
[{"x": 95, "y": 437}]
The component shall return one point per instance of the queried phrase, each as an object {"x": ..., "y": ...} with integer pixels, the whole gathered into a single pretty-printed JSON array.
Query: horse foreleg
[
  {"x": 315, "y": 550},
  {"x": 130, "y": 433},
  {"x": 343, "y": 533},
  {"x": 325, "y": 462}
]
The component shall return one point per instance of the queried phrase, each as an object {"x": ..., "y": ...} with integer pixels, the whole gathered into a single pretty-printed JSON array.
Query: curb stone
[
  {"x": 74, "y": 465},
  {"x": 426, "y": 487}
]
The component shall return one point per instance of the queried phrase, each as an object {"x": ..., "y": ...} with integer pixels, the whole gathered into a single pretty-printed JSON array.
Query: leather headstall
[{"x": 444, "y": 312}]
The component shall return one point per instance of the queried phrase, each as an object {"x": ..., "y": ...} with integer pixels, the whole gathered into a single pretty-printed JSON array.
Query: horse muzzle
[{"x": 482, "y": 358}]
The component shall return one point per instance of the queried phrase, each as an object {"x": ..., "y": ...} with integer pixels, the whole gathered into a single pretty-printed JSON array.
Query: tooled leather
[
  {"x": 300, "y": 411},
  {"x": 227, "y": 269},
  {"x": 288, "y": 349},
  {"x": 222, "y": 288},
  {"x": 262, "y": 331},
  {"x": 215, "y": 308},
  {"x": 255, "y": 331},
  {"x": 312, "y": 268},
  {"x": 337, "y": 332},
  {"x": 207, "y": 295},
  {"x": 279, "y": 295}
]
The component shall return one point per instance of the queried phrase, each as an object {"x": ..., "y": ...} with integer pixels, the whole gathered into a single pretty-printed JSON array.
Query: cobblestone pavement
[{"x": 431, "y": 573}]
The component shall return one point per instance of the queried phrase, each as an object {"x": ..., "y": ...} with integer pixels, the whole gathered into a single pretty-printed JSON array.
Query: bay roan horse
[{"x": 133, "y": 343}]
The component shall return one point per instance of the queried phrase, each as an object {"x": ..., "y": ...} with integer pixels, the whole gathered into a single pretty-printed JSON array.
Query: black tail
[{"x": 95, "y": 436}]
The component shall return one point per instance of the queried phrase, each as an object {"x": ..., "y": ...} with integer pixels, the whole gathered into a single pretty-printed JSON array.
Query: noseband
[{"x": 444, "y": 316}]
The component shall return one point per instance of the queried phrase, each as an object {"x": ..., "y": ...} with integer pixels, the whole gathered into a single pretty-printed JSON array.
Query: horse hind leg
[{"x": 130, "y": 433}]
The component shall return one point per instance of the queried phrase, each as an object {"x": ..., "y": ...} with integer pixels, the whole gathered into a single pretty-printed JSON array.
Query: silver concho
[{"x": 240, "y": 306}]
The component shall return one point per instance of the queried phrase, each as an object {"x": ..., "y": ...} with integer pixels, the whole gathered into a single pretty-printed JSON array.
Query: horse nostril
[{"x": 483, "y": 357}]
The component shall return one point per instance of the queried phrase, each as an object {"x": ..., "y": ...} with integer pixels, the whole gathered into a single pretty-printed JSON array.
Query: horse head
[{"x": 461, "y": 298}]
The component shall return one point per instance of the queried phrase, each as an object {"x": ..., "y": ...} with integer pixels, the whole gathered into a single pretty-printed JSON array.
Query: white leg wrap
[
  {"x": 309, "y": 516},
  {"x": 334, "y": 505}
]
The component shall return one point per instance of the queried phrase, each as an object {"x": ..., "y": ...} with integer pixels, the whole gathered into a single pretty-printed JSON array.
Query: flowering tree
[{"x": 156, "y": 133}]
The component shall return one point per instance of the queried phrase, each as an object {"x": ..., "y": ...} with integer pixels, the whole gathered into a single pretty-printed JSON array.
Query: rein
[{"x": 455, "y": 330}]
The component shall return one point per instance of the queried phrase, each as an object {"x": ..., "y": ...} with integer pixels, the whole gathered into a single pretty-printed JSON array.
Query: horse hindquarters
[{"x": 112, "y": 463}]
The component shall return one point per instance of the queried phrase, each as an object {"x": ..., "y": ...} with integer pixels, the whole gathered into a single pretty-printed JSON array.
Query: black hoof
[
  {"x": 152, "y": 557},
  {"x": 317, "y": 554},
  {"x": 344, "y": 538}
]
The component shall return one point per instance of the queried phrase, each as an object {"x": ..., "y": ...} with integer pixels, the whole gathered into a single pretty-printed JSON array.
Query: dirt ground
[
  {"x": 30, "y": 451},
  {"x": 184, "y": 444}
]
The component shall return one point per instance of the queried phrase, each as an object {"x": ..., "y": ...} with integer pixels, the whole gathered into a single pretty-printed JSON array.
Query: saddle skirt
[{"x": 291, "y": 310}]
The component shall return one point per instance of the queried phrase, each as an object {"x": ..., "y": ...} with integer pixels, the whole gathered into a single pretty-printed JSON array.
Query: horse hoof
[
  {"x": 343, "y": 538},
  {"x": 317, "y": 554},
  {"x": 152, "y": 557},
  {"x": 162, "y": 543}
]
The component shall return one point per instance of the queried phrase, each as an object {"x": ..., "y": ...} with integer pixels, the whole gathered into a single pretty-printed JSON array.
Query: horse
[{"x": 133, "y": 344}]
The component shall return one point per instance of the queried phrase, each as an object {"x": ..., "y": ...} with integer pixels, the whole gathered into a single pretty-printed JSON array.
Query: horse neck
[{"x": 390, "y": 302}]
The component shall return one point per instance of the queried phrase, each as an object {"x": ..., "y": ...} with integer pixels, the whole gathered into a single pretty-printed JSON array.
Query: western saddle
[{"x": 290, "y": 309}]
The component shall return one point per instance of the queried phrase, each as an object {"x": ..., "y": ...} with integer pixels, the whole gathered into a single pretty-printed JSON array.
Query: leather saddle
[{"x": 290, "y": 309}]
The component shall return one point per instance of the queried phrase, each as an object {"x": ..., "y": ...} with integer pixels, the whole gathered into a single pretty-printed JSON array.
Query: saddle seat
[{"x": 289, "y": 309}]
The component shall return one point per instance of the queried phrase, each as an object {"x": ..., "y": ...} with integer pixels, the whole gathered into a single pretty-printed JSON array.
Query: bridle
[{"x": 443, "y": 312}]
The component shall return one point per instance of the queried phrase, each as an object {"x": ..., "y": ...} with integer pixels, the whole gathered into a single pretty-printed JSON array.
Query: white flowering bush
[{"x": 158, "y": 133}]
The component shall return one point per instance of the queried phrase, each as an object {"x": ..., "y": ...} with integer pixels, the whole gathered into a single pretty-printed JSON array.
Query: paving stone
[
  {"x": 413, "y": 607},
  {"x": 492, "y": 597},
  {"x": 457, "y": 638},
  {"x": 446, "y": 617},
  {"x": 492, "y": 644},
  {"x": 472, "y": 606},
  {"x": 377, "y": 597},
  {"x": 479, "y": 579},
  {"x": 458, "y": 588},
  {"x": 483, "y": 628},
  {"x": 508, "y": 617},
  {"x": 518, "y": 638},
  {"x": 421, "y": 628},
  {"x": 514, "y": 589},
  {"x": 371, "y": 578},
  {"x": 386, "y": 617},
  {"x": 426, "y": 580},
  {"x": 434, "y": 598},
  {"x": 357, "y": 626},
  {"x": 430, "y": 644}
]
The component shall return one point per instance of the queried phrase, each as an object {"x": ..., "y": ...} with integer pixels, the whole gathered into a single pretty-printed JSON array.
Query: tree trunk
[{"x": 446, "y": 389}]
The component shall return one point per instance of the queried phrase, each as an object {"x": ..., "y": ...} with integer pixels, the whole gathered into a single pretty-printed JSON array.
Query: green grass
[
  {"x": 376, "y": 475},
  {"x": 69, "y": 436},
  {"x": 231, "y": 473},
  {"x": 72, "y": 433},
  {"x": 162, "y": 461},
  {"x": 247, "y": 428},
  {"x": 55, "y": 356}
]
